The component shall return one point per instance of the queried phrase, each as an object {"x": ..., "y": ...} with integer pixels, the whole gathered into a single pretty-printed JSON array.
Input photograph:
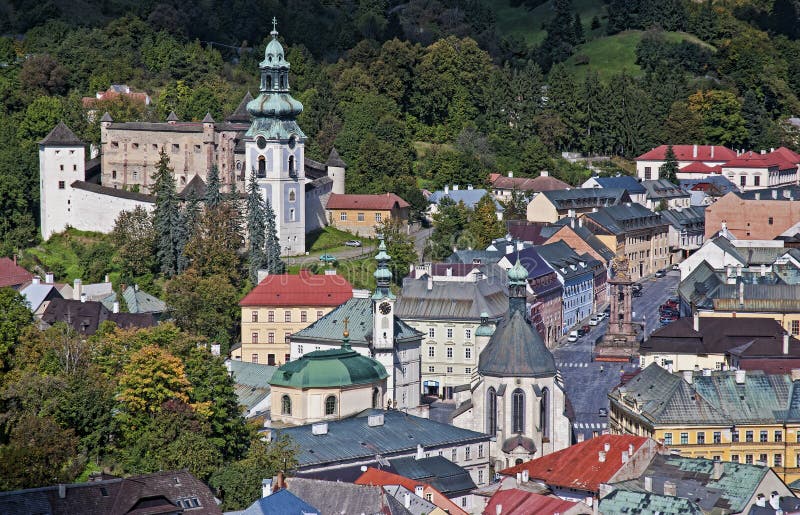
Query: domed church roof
[{"x": 329, "y": 368}]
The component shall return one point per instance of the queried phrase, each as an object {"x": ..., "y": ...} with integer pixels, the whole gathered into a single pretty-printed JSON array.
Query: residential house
[
  {"x": 136, "y": 301},
  {"x": 381, "y": 477},
  {"x": 707, "y": 191},
  {"x": 114, "y": 92},
  {"x": 450, "y": 479},
  {"x": 545, "y": 293},
  {"x": 514, "y": 501},
  {"x": 662, "y": 194},
  {"x": 721, "y": 253},
  {"x": 581, "y": 239},
  {"x": 334, "y": 498},
  {"x": 742, "y": 416},
  {"x": 753, "y": 170},
  {"x": 171, "y": 492},
  {"x": 634, "y": 187},
  {"x": 763, "y": 214},
  {"x": 641, "y": 236},
  {"x": 551, "y": 206},
  {"x": 577, "y": 275},
  {"x": 283, "y": 304},
  {"x": 355, "y": 442},
  {"x": 503, "y": 186},
  {"x": 649, "y": 163},
  {"x": 446, "y": 302},
  {"x": 698, "y": 171},
  {"x": 680, "y": 484},
  {"x": 251, "y": 386},
  {"x": 38, "y": 295},
  {"x": 578, "y": 472},
  {"x": 716, "y": 343},
  {"x": 527, "y": 232},
  {"x": 360, "y": 214},
  {"x": 13, "y": 275},
  {"x": 470, "y": 197},
  {"x": 282, "y": 502},
  {"x": 687, "y": 228},
  {"x": 85, "y": 317},
  {"x": 780, "y": 302}
]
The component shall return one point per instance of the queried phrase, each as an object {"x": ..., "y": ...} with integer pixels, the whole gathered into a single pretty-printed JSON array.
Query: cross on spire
[{"x": 274, "y": 26}]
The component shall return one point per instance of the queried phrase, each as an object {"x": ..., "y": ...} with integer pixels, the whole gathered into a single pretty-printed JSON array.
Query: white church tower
[
  {"x": 62, "y": 157},
  {"x": 274, "y": 148}
]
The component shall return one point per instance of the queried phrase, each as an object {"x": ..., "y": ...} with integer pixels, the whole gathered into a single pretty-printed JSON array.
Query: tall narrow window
[
  {"x": 376, "y": 398},
  {"x": 330, "y": 405},
  {"x": 518, "y": 411},
  {"x": 291, "y": 165},
  {"x": 491, "y": 411},
  {"x": 286, "y": 405},
  {"x": 544, "y": 418},
  {"x": 262, "y": 166}
]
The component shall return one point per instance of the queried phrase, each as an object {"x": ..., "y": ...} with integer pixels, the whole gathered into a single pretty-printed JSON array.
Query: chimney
[
  {"x": 688, "y": 375},
  {"x": 696, "y": 321},
  {"x": 76, "y": 289},
  {"x": 630, "y": 449},
  {"x": 648, "y": 483},
  {"x": 107, "y": 280},
  {"x": 469, "y": 187},
  {"x": 694, "y": 151},
  {"x": 62, "y": 491},
  {"x": 763, "y": 270},
  {"x": 774, "y": 194},
  {"x": 498, "y": 510},
  {"x": 740, "y": 376},
  {"x": 455, "y": 187},
  {"x": 580, "y": 437},
  {"x": 606, "y": 447},
  {"x": 525, "y": 476},
  {"x": 738, "y": 270},
  {"x": 741, "y": 293},
  {"x": 758, "y": 195},
  {"x": 115, "y": 308},
  {"x": 706, "y": 372},
  {"x": 763, "y": 152},
  {"x": 670, "y": 488},
  {"x": 520, "y": 245},
  {"x": 580, "y": 222},
  {"x": 624, "y": 456},
  {"x": 420, "y": 453},
  {"x": 510, "y": 175},
  {"x": 446, "y": 189},
  {"x": 266, "y": 488},
  {"x": 761, "y": 501},
  {"x": 712, "y": 151},
  {"x": 519, "y": 478},
  {"x": 407, "y": 500},
  {"x": 786, "y": 343},
  {"x": 544, "y": 173},
  {"x": 716, "y": 473},
  {"x": 601, "y": 456},
  {"x": 418, "y": 490},
  {"x": 795, "y": 374},
  {"x": 572, "y": 222},
  {"x": 83, "y": 297},
  {"x": 48, "y": 278},
  {"x": 775, "y": 500},
  {"x": 36, "y": 280},
  {"x": 430, "y": 283}
]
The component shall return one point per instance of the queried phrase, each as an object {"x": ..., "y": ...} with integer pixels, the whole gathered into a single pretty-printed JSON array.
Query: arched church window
[
  {"x": 283, "y": 81},
  {"x": 113, "y": 174},
  {"x": 544, "y": 413},
  {"x": 518, "y": 411},
  {"x": 291, "y": 196},
  {"x": 238, "y": 165},
  {"x": 376, "y": 398},
  {"x": 262, "y": 166},
  {"x": 291, "y": 165},
  {"x": 491, "y": 411},
  {"x": 286, "y": 405},
  {"x": 330, "y": 405}
]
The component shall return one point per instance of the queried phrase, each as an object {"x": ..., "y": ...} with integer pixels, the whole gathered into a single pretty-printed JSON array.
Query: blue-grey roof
[
  {"x": 137, "y": 301},
  {"x": 360, "y": 315},
  {"x": 475, "y": 256},
  {"x": 791, "y": 192},
  {"x": 565, "y": 261},
  {"x": 625, "y": 182},
  {"x": 685, "y": 217},
  {"x": 468, "y": 197},
  {"x": 516, "y": 349},
  {"x": 441, "y": 473},
  {"x": 647, "y": 503},
  {"x": 581, "y": 198},
  {"x": 251, "y": 382},
  {"x": 722, "y": 184},
  {"x": 35, "y": 294},
  {"x": 663, "y": 189},
  {"x": 353, "y": 439},
  {"x": 625, "y": 217},
  {"x": 282, "y": 502},
  {"x": 334, "y": 497}
]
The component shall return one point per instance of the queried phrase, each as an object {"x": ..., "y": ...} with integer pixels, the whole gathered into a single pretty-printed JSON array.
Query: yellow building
[
  {"x": 359, "y": 214},
  {"x": 740, "y": 416},
  {"x": 281, "y": 305}
]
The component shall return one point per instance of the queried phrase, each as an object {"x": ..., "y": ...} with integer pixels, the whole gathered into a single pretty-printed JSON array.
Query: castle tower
[
  {"x": 274, "y": 148},
  {"x": 62, "y": 158},
  {"x": 336, "y": 171}
]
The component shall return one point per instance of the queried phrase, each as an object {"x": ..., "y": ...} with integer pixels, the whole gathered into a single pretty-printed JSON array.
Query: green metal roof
[
  {"x": 329, "y": 368},
  {"x": 640, "y": 503}
]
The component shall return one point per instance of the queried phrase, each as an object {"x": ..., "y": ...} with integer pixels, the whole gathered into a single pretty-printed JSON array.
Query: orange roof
[
  {"x": 12, "y": 274},
  {"x": 303, "y": 289},
  {"x": 520, "y": 502},
  {"x": 579, "y": 466},
  {"x": 386, "y": 201},
  {"x": 687, "y": 153},
  {"x": 755, "y": 160},
  {"x": 700, "y": 167},
  {"x": 378, "y": 477}
]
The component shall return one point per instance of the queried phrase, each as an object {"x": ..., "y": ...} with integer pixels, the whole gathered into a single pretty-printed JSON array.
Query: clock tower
[
  {"x": 383, "y": 301},
  {"x": 275, "y": 148}
]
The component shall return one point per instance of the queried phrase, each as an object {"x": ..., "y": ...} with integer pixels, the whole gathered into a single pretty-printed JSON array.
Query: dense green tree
[
  {"x": 483, "y": 225},
  {"x": 669, "y": 170},
  {"x": 14, "y": 317},
  {"x": 204, "y": 306},
  {"x": 400, "y": 246},
  {"x": 256, "y": 230},
  {"x": 449, "y": 223},
  {"x": 213, "y": 196},
  {"x": 134, "y": 238},
  {"x": 682, "y": 126},
  {"x": 272, "y": 249},
  {"x": 561, "y": 38},
  {"x": 166, "y": 218},
  {"x": 720, "y": 111}
]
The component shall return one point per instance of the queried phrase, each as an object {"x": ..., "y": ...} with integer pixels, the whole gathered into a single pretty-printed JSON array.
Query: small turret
[{"x": 336, "y": 171}]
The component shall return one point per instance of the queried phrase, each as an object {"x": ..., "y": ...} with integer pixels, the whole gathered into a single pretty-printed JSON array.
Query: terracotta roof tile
[
  {"x": 579, "y": 466},
  {"x": 755, "y": 160},
  {"x": 378, "y": 477},
  {"x": 540, "y": 183},
  {"x": 699, "y": 167},
  {"x": 520, "y": 502},
  {"x": 346, "y": 201},
  {"x": 687, "y": 153},
  {"x": 12, "y": 274},
  {"x": 303, "y": 289}
]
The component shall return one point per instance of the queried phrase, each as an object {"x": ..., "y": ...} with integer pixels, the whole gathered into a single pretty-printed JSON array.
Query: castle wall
[{"x": 92, "y": 211}]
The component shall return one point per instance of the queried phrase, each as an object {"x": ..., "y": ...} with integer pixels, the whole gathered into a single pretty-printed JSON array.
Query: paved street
[{"x": 587, "y": 382}]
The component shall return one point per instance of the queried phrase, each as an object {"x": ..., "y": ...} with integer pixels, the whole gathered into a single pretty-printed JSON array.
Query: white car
[
  {"x": 573, "y": 336},
  {"x": 595, "y": 319}
]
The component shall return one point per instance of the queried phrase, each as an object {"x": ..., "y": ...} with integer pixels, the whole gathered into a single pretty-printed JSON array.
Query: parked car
[
  {"x": 636, "y": 287},
  {"x": 676, "y": 267},
  {"x": 352, "y": 243},
  {"x": 586, "y": 328},
  {"x": 606, "y": 311},
  {"x": 327, "y": 258},
  {"x": 637, "y": 293},
  {"x": 581, "y": 332},
  {"x": 594, "y": 320},
  {"x": 660, "y": 273},
  {"x": 573, "y": 336}
]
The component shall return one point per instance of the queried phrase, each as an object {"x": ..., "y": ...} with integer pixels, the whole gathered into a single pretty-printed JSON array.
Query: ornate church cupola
[
  {"x": 383, "y": 276},
  {"x": 517, "y": 288}
]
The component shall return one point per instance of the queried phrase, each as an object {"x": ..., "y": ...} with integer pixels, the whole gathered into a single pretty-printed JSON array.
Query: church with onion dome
[
  {"x": 88, "y": 192},
  {"x": 517, "y": 396}
]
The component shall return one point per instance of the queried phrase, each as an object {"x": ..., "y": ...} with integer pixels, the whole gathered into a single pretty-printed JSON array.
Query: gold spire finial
[{"x": 346, "y": 333}]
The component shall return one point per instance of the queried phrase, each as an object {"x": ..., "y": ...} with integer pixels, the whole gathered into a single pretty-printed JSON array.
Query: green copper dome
[
  {"x": 328, "y": 369},
  {"x": 484, "y": 330},
  {"x": 517, "y": 273}
]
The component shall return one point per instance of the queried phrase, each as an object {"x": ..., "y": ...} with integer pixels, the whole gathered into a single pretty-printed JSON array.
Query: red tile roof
[
  {"x": 687, "y": 153},
  {"x": 755, "y": 160},
  {"x": 519, "y": 502},
  {"x": 345, "y": 201},
  {"x": 700, "y": 167},
  {"x": 12, "y": 274},
  {"x": 579, "y": 466},
  {"x": 303, "y": 289},
  {"x": 378, "y": 477},
  {"x": 540, "y": 183},
  {"x": 788, "y": 154}
]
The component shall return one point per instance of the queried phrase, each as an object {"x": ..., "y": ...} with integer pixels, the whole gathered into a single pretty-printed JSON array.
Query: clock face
[
  {"x": 385, "y": 308},
  {"x": 261, "y": 142}
]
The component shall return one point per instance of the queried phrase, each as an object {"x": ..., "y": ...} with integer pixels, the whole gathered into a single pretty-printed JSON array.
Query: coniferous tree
[
  {"x": 669, "y": 170},
  {"x": 256, "y": 230},
  {"x": 213, "y": 196},
  {"x": 236, "y": 222},
  {"x": 275, "y": 264},
  {"x": 166, "y": 218},
  {"x": 578, "y": 27}
]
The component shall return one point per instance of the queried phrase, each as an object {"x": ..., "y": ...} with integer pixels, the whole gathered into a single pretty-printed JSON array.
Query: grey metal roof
[
  {"x": 626, "y": 217},
  {"x": 647, "y": 503},
  {"x": 240, "y": 114},
  {"x": 681, "y": 218},
  {"x": 516, "y": 350},
  {"x": 475, "y": 256},
  {"x": 586, "y": 197},
  {"x": 359, "y": 313},
  {"x": 791, "y": 192},
  {"x": 663, "y": 189},
  {"x": 353, "y": 439},
  {"x": 335, "y": 160},
  {"x": 113, "y": 192},
  {"x": 35, "y": 294},
  {"x": 588, "y": 236},
  {"x": 139, "y": 301},
  {"x": 438, "y": 471},
  {"x": 450, "y": 300},
  {"x": 780, "y": 298},
  {"x": 61, "y": 135},
  {"x": 331, "y": 497},
  {"x": 417, "y": 505},
  {"x": 700, "y": 285},
  {"x": 565, "y": 261},
  {"x": 625, "y": 182}
]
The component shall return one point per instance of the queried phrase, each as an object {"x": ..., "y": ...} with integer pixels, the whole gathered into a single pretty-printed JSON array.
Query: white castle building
[{"x": 261, "y": 134}]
